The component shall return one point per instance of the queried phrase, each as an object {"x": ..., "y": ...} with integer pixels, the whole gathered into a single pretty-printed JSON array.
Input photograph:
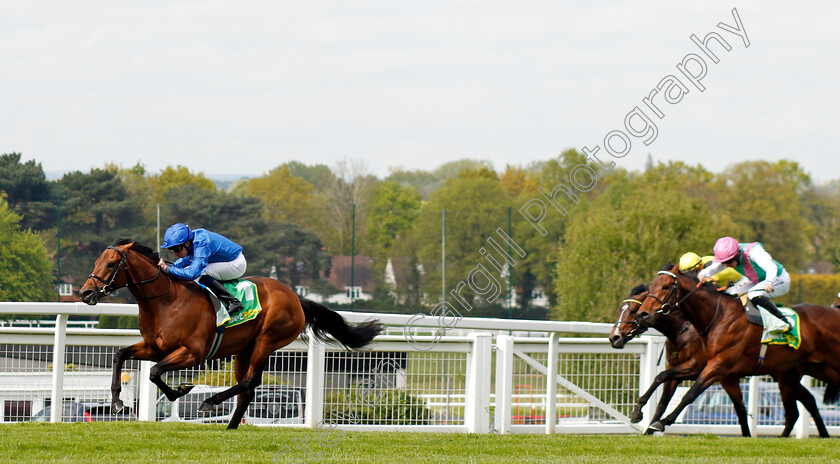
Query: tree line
[{"x": 294, "y": 217}]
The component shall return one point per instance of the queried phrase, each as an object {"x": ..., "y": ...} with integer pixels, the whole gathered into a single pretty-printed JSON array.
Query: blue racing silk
[{"x": 207, "y": 247}]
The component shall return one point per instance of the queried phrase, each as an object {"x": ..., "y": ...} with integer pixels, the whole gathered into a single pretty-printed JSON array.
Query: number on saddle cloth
[{"x": 246, "y": 292}]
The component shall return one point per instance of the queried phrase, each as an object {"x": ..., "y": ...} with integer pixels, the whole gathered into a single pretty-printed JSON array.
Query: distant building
[
  {"x": 818, "y": 267},
  {"x": 354, "y": 283}
]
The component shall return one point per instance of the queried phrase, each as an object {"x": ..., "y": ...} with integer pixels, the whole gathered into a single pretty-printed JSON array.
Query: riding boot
[
  {"x": 765, "y": 303},
  {"x": 231, "y": 303}
]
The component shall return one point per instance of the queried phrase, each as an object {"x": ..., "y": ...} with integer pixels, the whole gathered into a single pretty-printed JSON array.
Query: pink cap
[{"x": 725, "y": 249}]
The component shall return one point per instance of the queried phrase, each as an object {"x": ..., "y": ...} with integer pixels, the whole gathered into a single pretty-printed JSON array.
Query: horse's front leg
[
  {"x": 181, "y": 358},
  {"x": 684, "y": 371},
  {"x": 140, "y": 350},
  {"x": 706, "y": 379}
]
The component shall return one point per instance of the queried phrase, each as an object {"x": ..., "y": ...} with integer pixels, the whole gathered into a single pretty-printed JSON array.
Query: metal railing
[{"x": 486, "y": 375}]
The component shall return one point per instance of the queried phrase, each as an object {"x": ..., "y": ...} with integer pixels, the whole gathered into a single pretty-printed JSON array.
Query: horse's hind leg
[
  {"x": 181, "y": 358},
  {"x": 244, "y": 399},
  {"x": 732, "y": 386},
  {"x": 250, "y": 380},
  {"x": 792, "y": 390},
  {"x": 252, "y": 377},
  {"x": 139, "y": 350}
]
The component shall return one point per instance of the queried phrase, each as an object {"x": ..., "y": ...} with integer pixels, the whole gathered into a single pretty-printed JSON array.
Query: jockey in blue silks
[{"x": 206, "y": 256}]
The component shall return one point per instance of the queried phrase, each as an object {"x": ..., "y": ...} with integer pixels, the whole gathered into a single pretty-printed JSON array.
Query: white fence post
[
  {"x": 754, "y": 403},
  {"x": 551, "y": 384},
  {"x": 477, "y": 408},
  {"x": 146, "y": 398},
  {"x": 803, "y": 425},
  {"x": 648, "y": 369},
  {"x": 504, "y": 382},
  {"x": 57, "y": 394},
  {"x": 314, "y": 413}
]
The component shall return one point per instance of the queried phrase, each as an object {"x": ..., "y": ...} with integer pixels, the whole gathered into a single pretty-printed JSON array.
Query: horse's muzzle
[
  {"x": 90, "y": 297},
  {"x": 618, "y": 341}
]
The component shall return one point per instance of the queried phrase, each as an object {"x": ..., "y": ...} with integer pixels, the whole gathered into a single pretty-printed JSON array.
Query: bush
[
  {"x": 818, "y": 289},
  {"x": 391, "y": 407}
]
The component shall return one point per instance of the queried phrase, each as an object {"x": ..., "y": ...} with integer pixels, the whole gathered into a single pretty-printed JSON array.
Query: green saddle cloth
[
  {"x": 246, "y": 292},
  {"x": 791, "y": 338}
]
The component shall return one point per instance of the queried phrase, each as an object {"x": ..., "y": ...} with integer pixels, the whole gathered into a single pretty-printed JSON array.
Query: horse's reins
[
  {"x": 665, "y": 308},
  {"x": 109, "y": 286}
]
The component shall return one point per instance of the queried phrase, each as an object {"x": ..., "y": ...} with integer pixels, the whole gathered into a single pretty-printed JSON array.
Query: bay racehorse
[
  {"x": 178, "y": 323},
  {"x": 733, "y": 344},
  {"x": 686, "y": 357}
]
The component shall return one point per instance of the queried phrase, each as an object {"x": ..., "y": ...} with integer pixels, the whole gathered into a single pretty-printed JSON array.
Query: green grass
[{"x": 103, "y": 442}]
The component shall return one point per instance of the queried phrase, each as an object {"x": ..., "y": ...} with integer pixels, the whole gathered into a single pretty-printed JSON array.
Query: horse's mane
[
  {"x": 641, "y": 288},
  {"x": 140, "y": 248}
]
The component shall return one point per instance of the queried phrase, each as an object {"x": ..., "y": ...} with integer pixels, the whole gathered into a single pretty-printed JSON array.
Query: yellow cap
[{"x": 689, "y": 262}]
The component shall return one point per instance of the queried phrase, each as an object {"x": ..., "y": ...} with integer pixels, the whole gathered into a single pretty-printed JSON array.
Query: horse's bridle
[
  {"x": 109, "y": 286},
  {"x": 637, "y": 327},
  {"x": 665, "y": 307}
]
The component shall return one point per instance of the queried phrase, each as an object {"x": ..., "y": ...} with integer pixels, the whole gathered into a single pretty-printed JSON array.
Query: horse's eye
[
  {"x": 111, "y": 265},
  {"x": 633, "y": 312}
]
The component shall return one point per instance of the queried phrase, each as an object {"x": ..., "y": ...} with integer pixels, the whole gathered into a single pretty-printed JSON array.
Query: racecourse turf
[{"x": 126, "y": 442}]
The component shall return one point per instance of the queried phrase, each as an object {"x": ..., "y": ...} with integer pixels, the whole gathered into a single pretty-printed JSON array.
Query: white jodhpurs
[
  {"x": 228, "y": 270},
  {"x": 781, "y": 285}
]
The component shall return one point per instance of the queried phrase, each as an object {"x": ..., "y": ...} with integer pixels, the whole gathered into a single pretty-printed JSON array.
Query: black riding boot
[
  {"x": 231, "y": 303},
  {"x": 765, "y": 303}
]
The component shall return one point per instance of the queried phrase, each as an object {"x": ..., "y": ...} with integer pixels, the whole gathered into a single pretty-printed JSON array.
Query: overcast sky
[{"x": 242, "y": 87}]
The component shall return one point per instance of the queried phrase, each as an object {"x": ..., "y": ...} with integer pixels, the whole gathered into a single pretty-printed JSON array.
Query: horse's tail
[
  {"x": 832, "y": 393},
  {"x": 323, "y": 321}
]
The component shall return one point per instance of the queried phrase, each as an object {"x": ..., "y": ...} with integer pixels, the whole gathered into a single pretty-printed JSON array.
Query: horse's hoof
[
  {"x": 655, "y": 427},
  {"x": 205, "y": 407},
  {"x": 636, "y": 416},
  {"x": 117, "y": 407}
]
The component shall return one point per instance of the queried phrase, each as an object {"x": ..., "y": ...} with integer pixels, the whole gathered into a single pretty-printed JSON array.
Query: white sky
[{"x": 241, "y": 87}]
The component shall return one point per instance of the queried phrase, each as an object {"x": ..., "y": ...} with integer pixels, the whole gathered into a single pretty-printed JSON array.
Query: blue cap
[{"x": 177, "y": 234}]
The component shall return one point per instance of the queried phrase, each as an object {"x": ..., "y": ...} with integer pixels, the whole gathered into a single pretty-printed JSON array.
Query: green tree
[
  {"x": 424, "y": 182},
  {"x": 347, "y": 200},
  {"x": 475, "y": 208},
  {"x": 392, "y": 211},
  {"x": 286, "y": 198},
  {"x": 27, "y": 190},
  {"x": 298, "y": 255},
  {"x": 319, "y": 175},
  {"x": 539, "y": 266},
  {"x": 763, "y": 197},
  {"x": 171, "y": 177},
  {"x": 622, "y": 238},
  {"x": 25, "y": 270},
  {"x": 95, "y": 211},
  {"x": 393, "y": 208}
]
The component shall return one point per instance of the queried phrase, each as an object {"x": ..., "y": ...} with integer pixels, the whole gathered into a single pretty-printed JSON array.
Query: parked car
[
  {"x": 85, "y": 412},
  {"x": 271, "y": 405}
]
